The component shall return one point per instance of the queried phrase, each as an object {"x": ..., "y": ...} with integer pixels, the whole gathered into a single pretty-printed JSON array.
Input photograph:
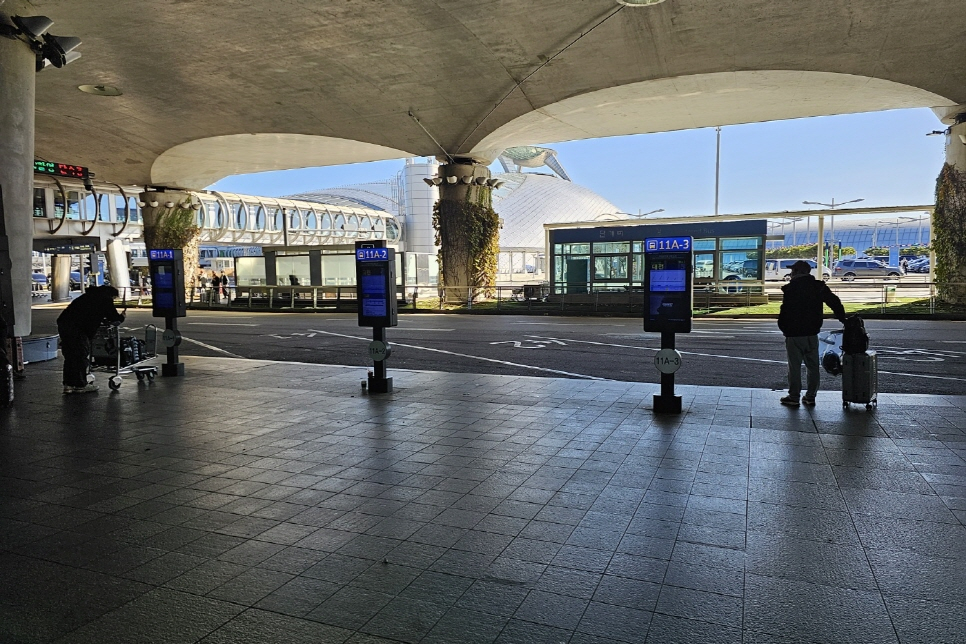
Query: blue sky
[{"x": 881, "y": 157}]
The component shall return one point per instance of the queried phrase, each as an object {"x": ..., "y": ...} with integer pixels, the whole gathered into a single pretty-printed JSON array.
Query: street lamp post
[
  {"x": 820, "y": 244},
  {"x": 641, "y": 215}
]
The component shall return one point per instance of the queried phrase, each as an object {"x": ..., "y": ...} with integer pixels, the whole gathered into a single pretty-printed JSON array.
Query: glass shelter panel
[
  {"x": 293, "y": 270},
  {"x": 250, "y": 271}
]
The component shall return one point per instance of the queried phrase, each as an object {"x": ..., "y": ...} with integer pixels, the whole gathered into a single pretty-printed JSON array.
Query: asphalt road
[{"x": 914, "y": 356}]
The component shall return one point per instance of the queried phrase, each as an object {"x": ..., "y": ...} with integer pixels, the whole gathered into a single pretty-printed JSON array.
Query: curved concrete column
[
  {"x": 956, "y": 147},
  {"x": 17, "y": 86},
  {"x": 463, "y": 180}
]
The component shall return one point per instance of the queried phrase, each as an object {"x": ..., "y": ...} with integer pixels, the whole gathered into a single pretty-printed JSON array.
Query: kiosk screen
[{"x": 374, "y": 296}]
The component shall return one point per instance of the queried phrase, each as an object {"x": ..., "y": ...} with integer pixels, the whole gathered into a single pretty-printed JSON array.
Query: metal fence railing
[{"x": 906, "y": 296}]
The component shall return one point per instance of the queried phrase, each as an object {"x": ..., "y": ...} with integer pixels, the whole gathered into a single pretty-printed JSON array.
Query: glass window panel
[
  {"x": 610, "y": 267},
  {"x": 90, "y": 208},
  {"x": 40, "y": 202},
  {"x": 135, "y": 212},
  {"x": 503, "y": 263},
  {"x": 250, "y": 271},
  {"x": 739, "y": 265},
  {"x": 638, "y": 247},
  {"x": 735, "y": 243},
  {"x": 638, "y": 275},
  {"x": 73, "y": 205},
  {"x": 104, "y": 201},
  {"x": 704, "y": 266},
  {"x": 704, "y": 244},
  {"x": 558, "y": 249},
  {"x": 119, "y": 208},
  {"x": 338, "y": 270},
  {"x": 288, "y": 267},
  {"x": 612, "y": 247}
]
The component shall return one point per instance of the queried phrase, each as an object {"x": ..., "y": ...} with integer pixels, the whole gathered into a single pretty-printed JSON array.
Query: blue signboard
[
  {"x": 160, "y": 254},
  {"x": 667, "y": 244},
  {"x": 372, "y": 254}
]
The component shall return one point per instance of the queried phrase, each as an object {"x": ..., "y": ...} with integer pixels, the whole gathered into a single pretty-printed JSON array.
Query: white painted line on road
[
  {"x": 208, "y": 346},
  {"x": 710, "y": 355},
  {"x": 409, "y": 328},
  {"x": 952, "y": 341},
  {"x": 690, "y": 353},
  {"x": 564, "y": 324},
  {"x": 222, "y": 323},
  {"x": 464, "y": 355},
  {"x": 922, "y": 375}
]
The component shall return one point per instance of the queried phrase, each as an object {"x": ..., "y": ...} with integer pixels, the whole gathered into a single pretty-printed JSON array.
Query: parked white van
[{"x": 779, "y": 269}]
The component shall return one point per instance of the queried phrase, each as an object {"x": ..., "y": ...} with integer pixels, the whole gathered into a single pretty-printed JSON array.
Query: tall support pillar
[
  {"x": 17, "y": 86},
  {"x": 60, "y": 278},
  {"x": 950, "y": 261},
  {"x": 464, "y": 194},
  {"x": 117, "y": 266},
  {"x": 171, "y": 221}
]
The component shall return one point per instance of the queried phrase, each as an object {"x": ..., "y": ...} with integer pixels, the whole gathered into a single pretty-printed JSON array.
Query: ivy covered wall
[
  {"x": 173, "y": 227},
  {"x": 467, "y": 232},
  {"x": 949, "y": 235}
]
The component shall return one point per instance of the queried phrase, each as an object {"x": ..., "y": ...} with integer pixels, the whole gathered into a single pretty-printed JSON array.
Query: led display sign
[{"x": 61, "y": 169}]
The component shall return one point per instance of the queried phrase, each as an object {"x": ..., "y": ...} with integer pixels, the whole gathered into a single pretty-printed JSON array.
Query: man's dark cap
[{"x": 801, "y": 267}]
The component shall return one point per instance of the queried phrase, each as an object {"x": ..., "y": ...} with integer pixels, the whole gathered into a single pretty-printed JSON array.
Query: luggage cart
[{"x": 110, "y": 353}]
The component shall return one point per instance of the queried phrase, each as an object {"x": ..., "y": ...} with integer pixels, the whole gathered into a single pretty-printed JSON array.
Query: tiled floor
[{"x": 266, "y": 502}]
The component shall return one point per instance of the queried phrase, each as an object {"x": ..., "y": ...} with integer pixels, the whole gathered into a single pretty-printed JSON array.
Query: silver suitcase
[{"x": 860, "y": 379}]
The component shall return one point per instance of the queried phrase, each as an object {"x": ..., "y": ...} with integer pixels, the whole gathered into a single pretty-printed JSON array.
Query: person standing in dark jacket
[
  {"x": 800, "y": 320},
  {"x": 77, "y": 326}
]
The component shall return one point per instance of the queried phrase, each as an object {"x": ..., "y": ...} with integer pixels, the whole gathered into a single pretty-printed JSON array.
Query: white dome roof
[{"x": 529, "y": 200}]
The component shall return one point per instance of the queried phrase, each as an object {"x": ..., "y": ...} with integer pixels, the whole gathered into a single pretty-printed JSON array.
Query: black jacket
[
  {"x": 90, "y": 309},
  {"x": 801, "y": 312}
]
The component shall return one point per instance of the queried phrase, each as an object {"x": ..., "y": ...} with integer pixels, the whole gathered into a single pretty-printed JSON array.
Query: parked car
[
  {"x": 780, "y": 269},
  {"x": 38, "y": 283},
  {"x": 850, "y": 269}
]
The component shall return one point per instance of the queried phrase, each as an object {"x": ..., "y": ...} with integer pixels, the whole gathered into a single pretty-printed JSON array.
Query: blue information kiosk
[
  {"x": 378, "y": 308},
  {"x": 166, "y": 267},
  {"x": 668, "y": 270}
]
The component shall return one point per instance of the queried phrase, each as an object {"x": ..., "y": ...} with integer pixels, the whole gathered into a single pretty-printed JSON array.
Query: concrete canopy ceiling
[{"x": 333, "y": 81}]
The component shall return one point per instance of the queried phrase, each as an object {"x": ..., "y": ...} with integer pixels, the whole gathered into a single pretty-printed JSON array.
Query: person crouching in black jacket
[
  {"x": 77, "y": 326},
  {"x": 800, "y": 319}
]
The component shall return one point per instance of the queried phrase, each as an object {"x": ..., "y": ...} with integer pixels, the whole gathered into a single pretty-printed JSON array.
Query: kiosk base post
[
  {"x": 378, "y": 382},
  {"x": 172, "y": 367},
  {"x": 667, "y": 402}
]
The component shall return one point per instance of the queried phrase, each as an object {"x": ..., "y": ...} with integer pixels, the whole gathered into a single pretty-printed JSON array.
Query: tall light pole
[
  {"x": 717, "y": 167},
  {"x": 820, "y": 252},
  {"x": 641, "y": 215}
]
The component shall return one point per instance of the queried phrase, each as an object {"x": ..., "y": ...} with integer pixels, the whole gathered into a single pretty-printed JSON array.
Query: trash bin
[
  {"x": 535, "y": 291},
  {"x": 890, "y": 293}
]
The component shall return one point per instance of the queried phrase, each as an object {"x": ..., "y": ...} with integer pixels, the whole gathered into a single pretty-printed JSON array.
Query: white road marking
[
  {"x": 710, "y": 355},
  {"x": 464, "y": 355},
  {"x": 690, "y": 353},
  {"x": 409, "y": 328},
  {"x": 518, "y": 344},
  {"x": 952, "y": 341},
  {"x": 222, "y": 323},
  {"x": 208, "y": 346},
  {"x": 563, "y": 324}
]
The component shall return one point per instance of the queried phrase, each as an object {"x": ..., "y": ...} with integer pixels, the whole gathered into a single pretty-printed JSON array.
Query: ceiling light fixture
[
  {"x": 49, "y": 49},
  {"x": 99, "y": 90},
  {"x": 639, "y": 3}
]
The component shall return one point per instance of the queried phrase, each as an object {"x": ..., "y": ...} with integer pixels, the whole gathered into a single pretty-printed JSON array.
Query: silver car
[{"x": 850, "y": 269}]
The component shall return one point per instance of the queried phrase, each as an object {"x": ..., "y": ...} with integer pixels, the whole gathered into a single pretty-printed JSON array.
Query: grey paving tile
[
  {"x": 262, "y": 627},
  {"x": 162, "y": 615},
  {"x": 813, "y": 612},
  {"x": 668, "y": 629},
  {"x": 920, "y": 621},
  {"x": 405, "y": 619}
]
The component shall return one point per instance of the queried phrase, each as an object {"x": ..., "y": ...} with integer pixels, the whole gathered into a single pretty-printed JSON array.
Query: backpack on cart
[{"x": 855, "y": 339}]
